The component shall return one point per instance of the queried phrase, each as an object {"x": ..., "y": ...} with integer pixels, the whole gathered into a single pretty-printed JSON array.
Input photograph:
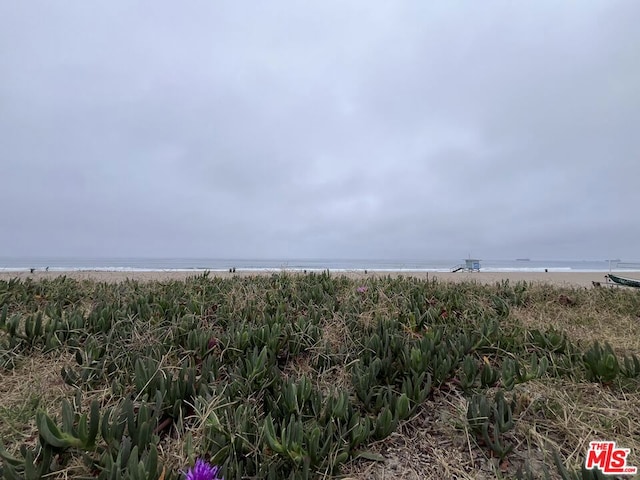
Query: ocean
[{"x": 203, "y": 264}]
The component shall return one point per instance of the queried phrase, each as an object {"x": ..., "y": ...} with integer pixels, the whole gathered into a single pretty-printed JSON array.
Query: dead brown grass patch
[
  {"x": 586, "y": 319},
  {"x": 34, "y": 383}
]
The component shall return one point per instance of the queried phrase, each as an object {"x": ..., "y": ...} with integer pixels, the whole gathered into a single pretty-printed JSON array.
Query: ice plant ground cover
[{"x": 313, "y": 376}]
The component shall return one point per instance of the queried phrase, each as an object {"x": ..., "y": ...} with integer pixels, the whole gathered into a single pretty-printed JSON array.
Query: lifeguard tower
[{"x": 469, "y": 265}]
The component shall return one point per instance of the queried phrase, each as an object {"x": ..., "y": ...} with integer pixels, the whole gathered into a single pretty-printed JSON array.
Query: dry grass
[
  {"x": 569, "y": 415},
  {"x": 432, "y": 445},
  {"x": 586, "y": 318},
  {"x": 35, "y": 383}
]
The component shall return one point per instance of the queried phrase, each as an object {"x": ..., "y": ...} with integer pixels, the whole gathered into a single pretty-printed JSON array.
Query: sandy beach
[{"x": 569, "y": 279}]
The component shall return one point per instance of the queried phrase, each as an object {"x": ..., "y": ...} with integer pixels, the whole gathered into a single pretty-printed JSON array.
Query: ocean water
[{"x": 203, "y": 264}]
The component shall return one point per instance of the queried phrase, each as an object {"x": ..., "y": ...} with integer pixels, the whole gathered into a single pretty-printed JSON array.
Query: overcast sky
[{"x": 366, "y": 129}]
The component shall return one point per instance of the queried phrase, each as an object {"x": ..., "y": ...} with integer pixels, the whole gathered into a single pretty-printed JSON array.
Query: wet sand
[{"x": 569, "y": 279}]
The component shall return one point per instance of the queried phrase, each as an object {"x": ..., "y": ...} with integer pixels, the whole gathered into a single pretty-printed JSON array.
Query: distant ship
[{"x": 523, "y": 259}]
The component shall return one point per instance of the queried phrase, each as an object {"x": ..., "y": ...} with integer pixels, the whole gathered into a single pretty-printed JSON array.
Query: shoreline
[{"x": 566, "y": 279}]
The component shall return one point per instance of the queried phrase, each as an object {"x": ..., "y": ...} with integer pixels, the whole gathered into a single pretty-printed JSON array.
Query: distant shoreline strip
[{"x": 309, "y": 269}]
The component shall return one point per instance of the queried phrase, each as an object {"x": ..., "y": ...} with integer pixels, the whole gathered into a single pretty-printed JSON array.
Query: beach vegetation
[{"x": 313, "y": 376}]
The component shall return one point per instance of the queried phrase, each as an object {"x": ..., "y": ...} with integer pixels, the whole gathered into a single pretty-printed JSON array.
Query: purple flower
[
  {"x": 361, "y": 289},
  {"x": 203, "y": 471}
]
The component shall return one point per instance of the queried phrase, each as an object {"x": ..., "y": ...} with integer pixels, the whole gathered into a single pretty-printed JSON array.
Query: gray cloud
[{"x": 371, "y": 129}]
